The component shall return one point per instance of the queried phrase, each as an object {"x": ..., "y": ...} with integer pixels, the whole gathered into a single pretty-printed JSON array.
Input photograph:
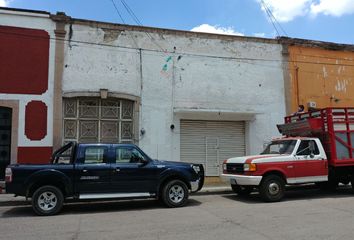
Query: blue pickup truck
[{"x": 102, "y": 171}]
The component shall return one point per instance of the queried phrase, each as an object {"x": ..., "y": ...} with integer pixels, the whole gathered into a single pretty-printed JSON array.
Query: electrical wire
[
  {"x": 273, "y": 19},
  {"x": 119, "y": 47},
  {"x": 138, "y": 22},
  {"x": 270, "y": 18},
  {"x": 122, "y": 19},
  {"x": 325, "y": 57},
  {"x": 131, "y": 12}
]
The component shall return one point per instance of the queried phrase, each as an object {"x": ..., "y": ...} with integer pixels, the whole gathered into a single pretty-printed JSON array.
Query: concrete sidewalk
[
  {"x": 215, "y": 188},
  {"x": 10, "y": 200}
]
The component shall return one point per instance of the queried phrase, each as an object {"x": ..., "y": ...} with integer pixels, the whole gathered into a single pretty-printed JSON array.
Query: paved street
[{"x": 304, "y": 214}]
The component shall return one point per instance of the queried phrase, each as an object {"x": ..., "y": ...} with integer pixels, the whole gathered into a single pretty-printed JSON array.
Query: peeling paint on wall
[
  {"x": 110, "y": 35},
  {"x": 341, "y": 86},
  {"x": 324, "y": 77},
  {"x": 325, "y": 73}
]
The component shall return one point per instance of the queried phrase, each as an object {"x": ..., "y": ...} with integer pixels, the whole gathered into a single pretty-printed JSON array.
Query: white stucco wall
[
  {"x": 210, "y": 77},
  {"x": 41, "y": 22}
]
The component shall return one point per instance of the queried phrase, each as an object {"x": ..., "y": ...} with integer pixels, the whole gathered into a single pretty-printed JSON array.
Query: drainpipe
[{"x": 286, "y": 78}]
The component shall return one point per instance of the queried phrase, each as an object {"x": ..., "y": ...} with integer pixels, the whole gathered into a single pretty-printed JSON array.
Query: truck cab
[
  {"x": 316, "y": 148},
  {"x": 290, "y": 160}
]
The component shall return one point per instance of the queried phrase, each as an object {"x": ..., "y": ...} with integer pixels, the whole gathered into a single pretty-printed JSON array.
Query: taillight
[{"x": 8, "y": 175}]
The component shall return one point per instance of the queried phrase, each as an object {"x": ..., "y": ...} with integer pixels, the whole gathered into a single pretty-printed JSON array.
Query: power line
[
  {"x": 275, "y": 19},
  {"x": 137, "y": 21},
  {"x": 272, "y": 18},
  {"x": 116, "y": 8},
  {"x": 249, "y": 61},
  {"x": 122, "y": 19},
  {"x": 324, "y": 57},
  {"x": 180, "y": 53},
  {"x": 131, "y": 12}
]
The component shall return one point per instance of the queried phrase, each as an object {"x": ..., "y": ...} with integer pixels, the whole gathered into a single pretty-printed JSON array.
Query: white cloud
[
  {"x": 216, "y": 29},
  {"x": 4, "y": 3},
  {"x": 287, "y": 10},
  {"x": 333, "y": 7}
]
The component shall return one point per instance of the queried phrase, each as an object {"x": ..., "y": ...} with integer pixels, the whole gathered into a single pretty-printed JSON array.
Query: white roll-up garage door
[{"x": 211, "y": 142}]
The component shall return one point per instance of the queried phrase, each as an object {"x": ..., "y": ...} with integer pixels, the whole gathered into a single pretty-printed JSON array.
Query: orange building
[{"x": 318, "y": 74}]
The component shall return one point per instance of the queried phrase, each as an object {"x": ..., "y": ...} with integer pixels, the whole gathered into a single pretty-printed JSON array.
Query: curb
[
  {"x": 10, "y": 200},
  {"x": 214, "y": 190}
]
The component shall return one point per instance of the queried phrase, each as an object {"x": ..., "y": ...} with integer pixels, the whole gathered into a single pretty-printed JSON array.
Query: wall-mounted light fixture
[{"x": 142, "y": 131}]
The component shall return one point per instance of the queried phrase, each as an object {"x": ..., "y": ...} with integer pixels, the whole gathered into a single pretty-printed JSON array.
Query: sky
[{"x": 325, "y": 20}]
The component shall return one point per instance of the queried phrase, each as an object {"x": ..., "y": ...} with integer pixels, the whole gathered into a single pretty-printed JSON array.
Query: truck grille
[{"x": 234, "y": 167}]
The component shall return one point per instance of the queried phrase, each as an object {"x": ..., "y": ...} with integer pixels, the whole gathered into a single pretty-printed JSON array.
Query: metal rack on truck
[{"x": 316, "y": 147}]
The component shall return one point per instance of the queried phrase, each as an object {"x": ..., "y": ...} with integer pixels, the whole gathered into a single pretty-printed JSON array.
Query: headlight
[
  {"x": 196, "y": 168},
  {"x": 249, "y": 167}
]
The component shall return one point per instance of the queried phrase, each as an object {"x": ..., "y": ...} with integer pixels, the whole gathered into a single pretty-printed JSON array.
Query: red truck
[{"x": 316, "y": 147}]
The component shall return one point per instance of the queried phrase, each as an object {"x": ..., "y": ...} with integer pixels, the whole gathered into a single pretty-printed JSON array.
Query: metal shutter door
[{"x": 211, "y": 142}]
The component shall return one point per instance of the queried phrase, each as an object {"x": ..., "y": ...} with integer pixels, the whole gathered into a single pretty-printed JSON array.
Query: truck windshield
[{"x": 280, "y": 147}]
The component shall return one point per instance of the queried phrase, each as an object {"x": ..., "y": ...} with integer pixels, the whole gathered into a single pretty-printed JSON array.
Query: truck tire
[
  {"x": 47, "y": 200},
  {"x": 242, "y": 190},
  {"x": 272, "y": 188},
  {"x": 174, "y": 194}
]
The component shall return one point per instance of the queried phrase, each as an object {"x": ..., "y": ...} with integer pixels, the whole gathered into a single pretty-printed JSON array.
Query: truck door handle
[
  {"x": 84, "y": 170},
  {"x": 290, "y": 166},
  {"x": 117, "y": 169}
]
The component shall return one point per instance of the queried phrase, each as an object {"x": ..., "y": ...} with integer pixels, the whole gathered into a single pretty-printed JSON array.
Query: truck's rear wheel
[
  {"x": 47, "y": 200},
  {"x": 174, "y": 194},
  {"x": 242, "y": 190},
  {"x": 272, "y": 188}
]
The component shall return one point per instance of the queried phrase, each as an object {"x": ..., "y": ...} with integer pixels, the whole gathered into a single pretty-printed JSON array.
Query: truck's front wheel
[
  {"x": 174, "y": 194},
  {"x": 272, "y": 188},
  {"x": 47, "y": 200}
]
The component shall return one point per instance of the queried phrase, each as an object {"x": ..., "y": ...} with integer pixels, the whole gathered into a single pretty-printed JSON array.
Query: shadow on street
[
  {"x": 90, "y": 207},
  {"x": 297, "y": 193}
]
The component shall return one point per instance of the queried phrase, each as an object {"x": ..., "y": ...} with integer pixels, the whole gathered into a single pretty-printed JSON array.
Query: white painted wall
[
  {"x": 204, "y": 78},
  {"x": 43, "y": 22}
]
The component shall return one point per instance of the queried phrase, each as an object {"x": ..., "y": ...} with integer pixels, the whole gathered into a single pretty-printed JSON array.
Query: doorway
[
  {"x": 5, "y": 139},
  {"x": 211, "y": 142}
]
